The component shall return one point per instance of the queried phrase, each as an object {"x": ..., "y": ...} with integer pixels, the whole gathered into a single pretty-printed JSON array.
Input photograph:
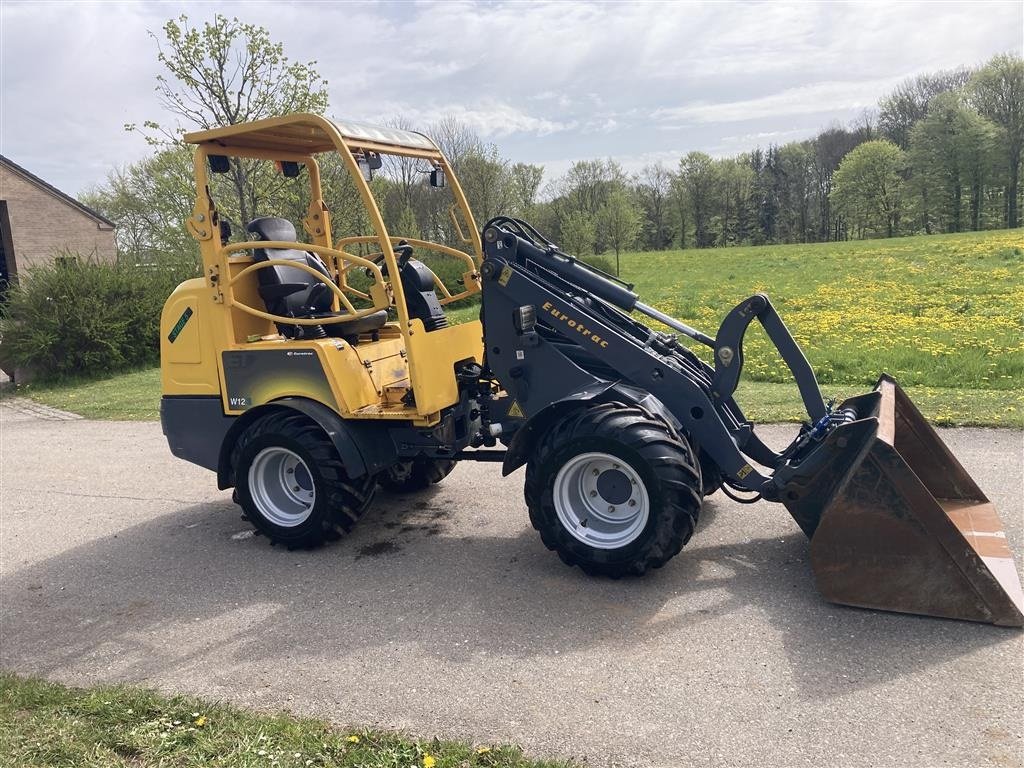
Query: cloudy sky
[{"x": 549, "y": 83}]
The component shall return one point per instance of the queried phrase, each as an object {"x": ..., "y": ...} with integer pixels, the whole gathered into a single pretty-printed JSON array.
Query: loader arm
[
  {"x": 894, "y": 520},
  {"x": 583, "y": 339}
]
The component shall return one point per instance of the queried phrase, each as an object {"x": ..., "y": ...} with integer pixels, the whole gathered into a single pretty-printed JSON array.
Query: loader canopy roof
[{"x": 310, "y": 134}]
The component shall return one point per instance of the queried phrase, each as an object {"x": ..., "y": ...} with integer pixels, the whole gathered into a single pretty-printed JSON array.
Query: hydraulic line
[
  {"x": 739, "y": 499},
  {"x": 674, "y": 324}
]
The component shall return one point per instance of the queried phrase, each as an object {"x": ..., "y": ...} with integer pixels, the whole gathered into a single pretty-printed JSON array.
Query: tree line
[{"x": 942, "y": 153}]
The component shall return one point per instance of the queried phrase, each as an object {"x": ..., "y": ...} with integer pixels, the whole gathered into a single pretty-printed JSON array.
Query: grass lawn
[
  {"x": 936, "y": 311},
  {"x": 136, "y": 397},
  {"x": 45, "y": 724},
  {"x": 944, "y": 314},
  {"x": 125, "y": 397}
]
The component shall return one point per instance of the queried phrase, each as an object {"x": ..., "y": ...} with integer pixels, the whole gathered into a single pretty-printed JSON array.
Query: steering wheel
[{"x": 403, "y": 251}]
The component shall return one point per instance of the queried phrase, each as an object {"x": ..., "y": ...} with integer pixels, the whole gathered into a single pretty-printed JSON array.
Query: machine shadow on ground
[{"x": 165, "y": 593}]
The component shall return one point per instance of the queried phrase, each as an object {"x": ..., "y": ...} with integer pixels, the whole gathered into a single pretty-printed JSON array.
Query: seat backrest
[
  {"x": 420, "y": 296},
  {"x": 286, "y": 291}
]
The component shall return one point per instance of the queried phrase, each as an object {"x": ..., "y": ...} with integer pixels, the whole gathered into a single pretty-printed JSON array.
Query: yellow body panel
[
  {"x": 432, "y": 362},
  {"x": 189, "y": 363}
]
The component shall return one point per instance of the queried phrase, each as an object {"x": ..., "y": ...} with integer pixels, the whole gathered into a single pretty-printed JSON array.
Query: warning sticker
[{"x": 515, "y": 411}]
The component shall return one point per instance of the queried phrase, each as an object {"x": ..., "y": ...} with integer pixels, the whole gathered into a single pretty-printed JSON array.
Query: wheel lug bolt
[
  {"x": 611, "y": 509},
  {"x": 291, "y": 471},
  {"x": 295, "y": 488},
  {"x": 597, "y": 472},
  {"x": 593, "y": 494},
  {"x": 632, "y": 502}
]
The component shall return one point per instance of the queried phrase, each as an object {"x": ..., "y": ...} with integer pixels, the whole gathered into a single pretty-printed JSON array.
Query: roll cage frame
[{"x": 299, "y": 138}]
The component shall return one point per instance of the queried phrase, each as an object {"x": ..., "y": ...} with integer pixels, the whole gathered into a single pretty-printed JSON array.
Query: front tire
[
  {"x": 613, "y": 490},
  {"x": 292, "y": 485}
]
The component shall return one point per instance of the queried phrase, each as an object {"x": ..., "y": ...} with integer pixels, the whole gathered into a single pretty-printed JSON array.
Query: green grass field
[
  {"x": 45, "y": 724},
  {"x": 944, "y": 314},
  {"x": 136, "y": 397},
  {"x": 937, "y": 311}
]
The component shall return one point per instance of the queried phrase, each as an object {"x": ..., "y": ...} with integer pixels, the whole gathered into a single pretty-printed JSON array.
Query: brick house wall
[{"x": 42, "y": 221}]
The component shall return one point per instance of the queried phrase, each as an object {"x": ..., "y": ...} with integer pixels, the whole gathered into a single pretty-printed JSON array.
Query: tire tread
[
  {"x": 348, "y": 499},
  {"x": 667, "y": 454}
]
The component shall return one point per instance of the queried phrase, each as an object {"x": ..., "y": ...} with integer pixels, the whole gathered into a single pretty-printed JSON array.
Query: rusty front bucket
[{"x": 910, "y": 531}]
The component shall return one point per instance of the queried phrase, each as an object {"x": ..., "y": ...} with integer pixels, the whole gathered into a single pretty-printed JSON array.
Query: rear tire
[
  {"x": 613, "y": 490},
  {"x": 292, "y": 485},
  {"x": 415, "y": 475}
]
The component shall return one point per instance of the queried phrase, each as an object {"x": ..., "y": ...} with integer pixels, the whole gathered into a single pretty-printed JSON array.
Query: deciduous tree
[
  {"x": 869, "y": 186},
  {"x": 578, "y": 234},
  {"x": 997, "y": 90},
  {"x": 951, "y": 151},
  {"x": 908, "y": 102},
  {"x": 226, "y": 72},
  {"x": 698, "y": 178},
  {"x": 653, "y": 187},
  {"x": 618, "y": 221}
]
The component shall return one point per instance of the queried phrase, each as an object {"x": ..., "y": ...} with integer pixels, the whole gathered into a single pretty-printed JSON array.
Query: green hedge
[{"x": 84, "y": 318}]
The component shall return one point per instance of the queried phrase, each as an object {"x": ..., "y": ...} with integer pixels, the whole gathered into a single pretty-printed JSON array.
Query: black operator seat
[{"x": 296, "y": 293}]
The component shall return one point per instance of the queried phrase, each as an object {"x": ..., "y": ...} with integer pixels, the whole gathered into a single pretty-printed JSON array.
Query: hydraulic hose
[
  {"x": 572, "y": 271},
  {"x": 588, "y": 280}
]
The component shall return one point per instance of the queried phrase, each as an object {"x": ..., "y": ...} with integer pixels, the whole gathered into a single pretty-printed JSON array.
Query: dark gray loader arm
[{"x": 729, "y": 353}]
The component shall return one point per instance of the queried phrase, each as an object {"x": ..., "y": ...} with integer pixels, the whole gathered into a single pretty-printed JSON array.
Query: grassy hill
[
  {"x": 939, "y": 310},
  {"x": 936, "y": 310}
]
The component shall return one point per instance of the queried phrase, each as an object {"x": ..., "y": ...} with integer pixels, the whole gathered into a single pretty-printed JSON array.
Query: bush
[{"x": 85, "y": 317}]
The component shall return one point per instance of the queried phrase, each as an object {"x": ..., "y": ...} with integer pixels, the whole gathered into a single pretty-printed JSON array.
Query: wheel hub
[
  {"x": 601, "y": 500},
  {"x": 282, "y": 487},
  {"x": 614, "y": 487}
]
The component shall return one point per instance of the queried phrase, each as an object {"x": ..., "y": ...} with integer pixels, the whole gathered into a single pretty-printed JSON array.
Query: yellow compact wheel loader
[{"x": 307, "y": 372}]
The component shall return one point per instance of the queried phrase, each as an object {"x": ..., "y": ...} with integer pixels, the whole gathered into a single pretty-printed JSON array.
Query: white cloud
[
  {"x": 546, "y": 81},
  {"x": 489, "y": 119},
  {"x": 822, "y": 97}
]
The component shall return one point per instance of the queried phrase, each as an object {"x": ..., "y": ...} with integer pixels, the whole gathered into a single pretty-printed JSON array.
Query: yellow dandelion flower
[
  {"x": 482, "y": 750},
  {"x": 353, "y": 738},
  {"x": 429, "y": 761},
  {"x": 200, "y": 721}
]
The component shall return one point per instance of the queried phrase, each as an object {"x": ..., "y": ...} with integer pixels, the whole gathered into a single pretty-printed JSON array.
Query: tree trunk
[
  {"x": 926, "y": 219},
  {"x": 1011, "y": 192},
  {"x": 976, "y": 206},
  {"x": 957, "y": 205},
  {"x": 826, "y": 216},
  {"x": 238, "y": 176}
]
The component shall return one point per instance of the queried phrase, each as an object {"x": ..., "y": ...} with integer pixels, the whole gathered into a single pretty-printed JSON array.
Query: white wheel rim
[
  {"x": 601, "y": 500},
  {"x": 281, "y": 487}
]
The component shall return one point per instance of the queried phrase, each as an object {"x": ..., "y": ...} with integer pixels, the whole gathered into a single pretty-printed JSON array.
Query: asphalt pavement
[{"x": 443, "y": 614}]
